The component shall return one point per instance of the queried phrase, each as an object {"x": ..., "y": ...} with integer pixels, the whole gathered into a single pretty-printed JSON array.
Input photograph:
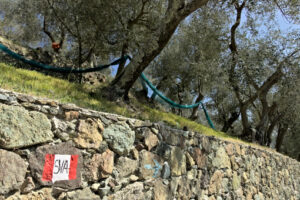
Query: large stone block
[
  {"x": 12, "y": 171},
  {"x": 37, "y": 162},
  {"x": 126, "y": 166},
  {"x": 161, "y": 191},
  {"x": 177, "y": 162},
  {"x": 21, "y": 128},
  {"x": 100, "y": 165},
  {"x": 221, "y": 160},
  {"x": 119, "y": 137},
  {"x": 150, "y": 165},
  {"x": 89, "y": 133}
]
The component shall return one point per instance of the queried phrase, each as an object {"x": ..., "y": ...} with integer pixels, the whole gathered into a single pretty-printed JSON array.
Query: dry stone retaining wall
[{"x": 113, "y": 157}]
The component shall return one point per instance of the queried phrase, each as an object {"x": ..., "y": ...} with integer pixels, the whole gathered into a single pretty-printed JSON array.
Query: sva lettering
[{"x": 60, "y": 166}]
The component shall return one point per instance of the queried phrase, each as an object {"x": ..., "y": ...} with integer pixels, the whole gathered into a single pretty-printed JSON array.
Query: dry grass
[{"x": 37, "y": 84}]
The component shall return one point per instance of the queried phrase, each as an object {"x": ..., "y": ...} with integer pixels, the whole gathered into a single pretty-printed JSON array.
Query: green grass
[{"x": 37, "y": 84}]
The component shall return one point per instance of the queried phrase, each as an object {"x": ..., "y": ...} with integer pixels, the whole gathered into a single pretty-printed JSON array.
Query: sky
[{"x": 284, "y": 24}]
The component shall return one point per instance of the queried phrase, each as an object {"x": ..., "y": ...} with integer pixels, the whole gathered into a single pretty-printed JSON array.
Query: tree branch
[
  {"x": 89, "y": 54},
  {"x": 46, "y": 31},
  {"x": 60, "y": 19},
  {"x": 239, "y": 9}
]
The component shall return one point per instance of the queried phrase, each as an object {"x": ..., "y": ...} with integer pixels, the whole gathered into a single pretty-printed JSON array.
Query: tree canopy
[{"x": 231, "y": 54}]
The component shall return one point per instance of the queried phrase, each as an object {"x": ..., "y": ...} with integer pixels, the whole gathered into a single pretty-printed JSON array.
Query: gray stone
[
  {"x": 259, "y": 197},
  {"x": 166, "y": 172},
  {"x": 221, "y": 160},
  {"x": 12, "y": 171},
  {"x": 177, "y": 162},
  {"x": 104, "y": 120},
  {"x": 57, "y": 191},
  {"x": 62, "y": 135},
  {"x": 126, "y": 166},
  {"x": 70, "y": 106},
  {"x": 171, "y": 136},
  {"x": 3, "y": 97},
  {"x": 164, "y": 150},
  {"x": 54, "y": 111},
  {"x": 133, "y": 191},
  {"x": 26, "y": 98},
  {"x": 236, "y": 181},
  {"x": 63, "y": 130},
  {"x": 135, "y": 153},
  {"x": 31, "y": 106},
  {"x": 104, "y": 191},
  {"x": 154, "y": 130},
  {"x": 85, "y": 194},
  {"x": 45, "y": 109},
  {"x": 119, "y": 137},
  {"x": 190, "y": 160},
  {"x": 165, "y": 181},
  {"x": 225, "y": 182},
  {"x": 206, "y": 144},
  {"x": 37, "y": 161},
  {"x": 20, "y": 128},
  {"x": 192, "y": 174},
  {"x": 59, "y": 124},
  {"x": 133, "y": 178},
  {"x": 174, "y": 185},
  {"x": 27, "y": 186},
  {"x": 95, "y": 187},
  {"x": 112, "y": 117}
]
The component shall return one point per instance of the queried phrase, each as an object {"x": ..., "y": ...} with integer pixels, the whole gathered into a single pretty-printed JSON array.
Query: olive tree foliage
[
  {"x": 249, "y": 78},
  {"x": 40, "y": 22},
  {"x": 263, "y": 71},
  {"x": 141, "y": 28},
  {"x": 257, "y": 68},
  {"x": 190, "y": 60},
  {"x": 99, "y": 28},
  {"x": 288, "y": 126}
]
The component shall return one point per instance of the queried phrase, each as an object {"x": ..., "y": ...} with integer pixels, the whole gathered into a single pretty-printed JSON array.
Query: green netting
[
  {"x": 99, "y": 68},
  {"x": 174, "y": 104},
  {"x": 60, "y": 69}
]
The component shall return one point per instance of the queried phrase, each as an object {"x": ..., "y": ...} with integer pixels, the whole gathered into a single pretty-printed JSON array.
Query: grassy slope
[{"x": 37, "y": 84}]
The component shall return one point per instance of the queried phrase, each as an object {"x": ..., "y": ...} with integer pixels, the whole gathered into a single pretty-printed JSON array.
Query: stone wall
[{"x": 50, "y": 150}]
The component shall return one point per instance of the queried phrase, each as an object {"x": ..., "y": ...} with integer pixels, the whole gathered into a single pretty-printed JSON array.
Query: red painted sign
[{"x": 59, "y": 167}]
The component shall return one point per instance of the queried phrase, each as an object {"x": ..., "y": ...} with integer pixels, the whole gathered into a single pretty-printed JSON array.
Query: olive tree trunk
[{"x": 177, "y": 11}]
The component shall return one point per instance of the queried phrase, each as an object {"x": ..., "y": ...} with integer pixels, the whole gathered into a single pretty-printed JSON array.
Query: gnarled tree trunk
[
  {"x": 194, "y": 114},
  {"x": 177, "y": 11},
  {"x": 282, "y": 129},
  {"x": 228, "y": 123}
]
